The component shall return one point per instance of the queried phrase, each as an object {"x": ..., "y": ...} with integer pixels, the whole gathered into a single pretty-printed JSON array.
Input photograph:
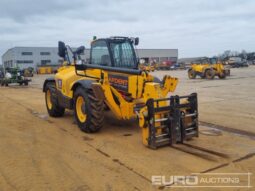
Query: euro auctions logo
[
  {"x": 175, "y": 180},
  {"x": 230, "y": 180}
]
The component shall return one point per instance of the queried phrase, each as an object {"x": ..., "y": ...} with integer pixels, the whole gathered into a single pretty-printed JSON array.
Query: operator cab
[
  {"x": 206, "y": 60},
  {"x": 114, "y": 52},
  {"x": 213, "y": 60}
]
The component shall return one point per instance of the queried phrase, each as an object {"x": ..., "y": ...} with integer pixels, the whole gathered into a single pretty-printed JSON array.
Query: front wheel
[
  {"x": 88, "y": 110},
  {"x": 209, "y": 74},
  {"x": 54, "y": 109},
  {"x": 191, "y": 74}
]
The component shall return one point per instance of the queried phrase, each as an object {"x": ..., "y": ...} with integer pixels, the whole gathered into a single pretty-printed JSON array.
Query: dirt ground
[{"x": 42, "y": 153}]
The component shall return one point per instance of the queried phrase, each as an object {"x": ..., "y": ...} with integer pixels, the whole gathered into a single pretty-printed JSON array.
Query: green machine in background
[{"x": 13, "y": 75}]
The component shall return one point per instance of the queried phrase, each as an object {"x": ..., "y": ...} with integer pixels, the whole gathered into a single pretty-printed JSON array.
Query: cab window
[
  {"x": 100, "y": 54},
  {"x": 123, "y": 54}
]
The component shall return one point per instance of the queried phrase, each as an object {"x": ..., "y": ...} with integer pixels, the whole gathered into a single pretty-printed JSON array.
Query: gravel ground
[{"x": 43, "y": 153}]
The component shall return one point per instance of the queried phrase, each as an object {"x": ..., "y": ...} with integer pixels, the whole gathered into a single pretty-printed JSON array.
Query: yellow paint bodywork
[
  {"x": 200, "y": 68},
  {"x": 140, "y": 89},
  {"x": 68, "y": 77}
]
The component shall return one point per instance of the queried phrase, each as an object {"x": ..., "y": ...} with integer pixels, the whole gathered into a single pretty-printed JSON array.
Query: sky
[{"x": 194, "y": 27}]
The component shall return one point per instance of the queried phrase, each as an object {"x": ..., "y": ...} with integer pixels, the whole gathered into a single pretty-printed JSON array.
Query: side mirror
[
  {"x": 136, "y": 41},
  {"x": 80, "y": 50},
  {"x": 61, "y": 49}
]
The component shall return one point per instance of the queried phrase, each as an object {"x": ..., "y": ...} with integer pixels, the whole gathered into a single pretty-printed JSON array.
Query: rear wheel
[
  {"x": 209, "y": 74},
  {"x": 191, "y": 74},
  {"x": 88, "y": 110},
  {"x": 222, "y": 75},
  {"x": 54, "y": 109}
]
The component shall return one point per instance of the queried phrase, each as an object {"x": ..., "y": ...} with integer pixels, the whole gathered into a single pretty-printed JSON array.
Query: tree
[{"x": 243, "y": 54}]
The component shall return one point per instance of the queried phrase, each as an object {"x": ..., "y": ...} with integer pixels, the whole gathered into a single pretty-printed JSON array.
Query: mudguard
[
  {"x": 47, "y": 81},
  {"x": 91, "y": 84},
  {"x": 87, "y": 84}
]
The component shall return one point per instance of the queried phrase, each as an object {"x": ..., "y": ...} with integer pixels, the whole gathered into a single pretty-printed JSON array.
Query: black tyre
[
  {"x": 192, "y": 74},
  {"x": 227, "y": 72},
  {"x": 88, "y": 110},
  {"x": 106, "y": 108},
  {"x": 222, "y": 75},
  {"x": 54, "y": 109},
  {"x": 202, "y": 76},
  {"x": 209, "y": 74},
  {"x": 26, "y": 83},
  {"x": 6, "y": 84}
]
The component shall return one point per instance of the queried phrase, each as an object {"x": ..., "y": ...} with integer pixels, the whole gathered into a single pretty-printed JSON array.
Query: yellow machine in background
[
  {"x": 145, "y": 65},
  {"x": 45, "y": 70},
  {"x": 208, "y": 68},
  {"x": 28, "y": 72},
  {"x": 113, "y": 79}
]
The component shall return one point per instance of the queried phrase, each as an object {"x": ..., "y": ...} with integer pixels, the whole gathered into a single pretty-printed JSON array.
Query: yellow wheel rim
[
  {"x": 80, "y": 112},
  {"x": 48, "y": 99}
]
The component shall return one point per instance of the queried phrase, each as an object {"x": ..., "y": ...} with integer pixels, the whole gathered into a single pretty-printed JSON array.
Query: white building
[{"x": 24, "y": 57}]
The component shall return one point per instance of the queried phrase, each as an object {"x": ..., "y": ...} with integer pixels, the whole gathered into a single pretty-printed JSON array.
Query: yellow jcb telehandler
[
  {"x": 112, "y": 78},
  {"x": 208, "y": 68}
]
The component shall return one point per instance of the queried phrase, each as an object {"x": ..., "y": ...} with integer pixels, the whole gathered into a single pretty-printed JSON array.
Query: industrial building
[{"x": 24, "y": 57}]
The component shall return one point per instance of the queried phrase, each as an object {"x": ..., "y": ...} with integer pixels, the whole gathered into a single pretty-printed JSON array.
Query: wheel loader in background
[
  {"x": 208, "y": 68},
  {"x": 112, "y": 79}
]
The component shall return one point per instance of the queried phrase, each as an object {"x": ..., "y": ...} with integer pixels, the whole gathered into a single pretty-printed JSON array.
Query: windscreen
[
  {"x": 123, "y": 54},
  {"x": 213, "y": 61}
]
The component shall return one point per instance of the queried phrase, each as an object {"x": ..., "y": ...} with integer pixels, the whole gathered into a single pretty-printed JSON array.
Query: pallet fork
[{"x": 179, "y": 121}]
